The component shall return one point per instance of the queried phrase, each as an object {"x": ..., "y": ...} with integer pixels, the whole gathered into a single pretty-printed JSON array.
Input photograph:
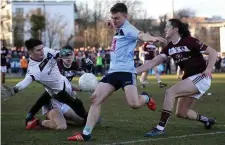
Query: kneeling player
[
  {"x": 58, "y": 115},
  {"x": 187, "y": 53},
  {"x": 68, "y": 68},
  {"x": 149, "y": 51}
]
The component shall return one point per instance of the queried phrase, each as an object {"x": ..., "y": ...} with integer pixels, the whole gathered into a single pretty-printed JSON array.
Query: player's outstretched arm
[
  {"x": 8, "y": 91},
  {"x": 149, "y": 38},
  {"x": 150, "y": 64}
]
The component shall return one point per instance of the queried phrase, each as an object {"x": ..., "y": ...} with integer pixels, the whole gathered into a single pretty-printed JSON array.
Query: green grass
[{"x": 119, "y": 122}]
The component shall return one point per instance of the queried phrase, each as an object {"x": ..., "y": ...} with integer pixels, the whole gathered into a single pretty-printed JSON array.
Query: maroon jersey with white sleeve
[
  {"x": 187, "y": 53},
  {"x": 151, "y": 49}
]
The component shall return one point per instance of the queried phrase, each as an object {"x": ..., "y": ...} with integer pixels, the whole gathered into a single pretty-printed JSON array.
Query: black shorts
[{"x": 120, "y": 79}]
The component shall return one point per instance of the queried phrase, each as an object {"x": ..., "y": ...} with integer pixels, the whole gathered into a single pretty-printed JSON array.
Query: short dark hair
[
  {"x": 31, "y": 43},
  {"x": 119, "y": 7},
  {"x": 183, "y": 29}
]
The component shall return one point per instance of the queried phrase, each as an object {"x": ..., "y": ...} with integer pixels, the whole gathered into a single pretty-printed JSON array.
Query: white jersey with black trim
[{"x": 46, "y": 72}]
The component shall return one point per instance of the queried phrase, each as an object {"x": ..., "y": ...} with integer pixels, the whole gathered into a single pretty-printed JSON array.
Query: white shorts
[
  {"x": 3, "y": 69},
  {"x": 55, "y": 104},
  {"x": 202, "y": 83}
]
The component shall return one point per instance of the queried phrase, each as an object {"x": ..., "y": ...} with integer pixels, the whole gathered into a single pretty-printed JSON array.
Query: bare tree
[
  {"x": 184, "y": 13},
  {"x": 84, "y": 15},
  {"x": 54, "y": 28},
  {"x": 91, "y": 22},
  {"x": 144, "y": 23},
  {"x": 18, "y": 29},
  {"x": 163, "y": 19}
]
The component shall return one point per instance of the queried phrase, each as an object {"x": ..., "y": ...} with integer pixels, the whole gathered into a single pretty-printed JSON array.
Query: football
[{"x": 88, "y": 82}]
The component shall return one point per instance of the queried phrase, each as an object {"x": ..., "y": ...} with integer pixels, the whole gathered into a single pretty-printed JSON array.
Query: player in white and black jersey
[
  {"x": 58, "y": 113},
  {"x": 43, "y": 68}
]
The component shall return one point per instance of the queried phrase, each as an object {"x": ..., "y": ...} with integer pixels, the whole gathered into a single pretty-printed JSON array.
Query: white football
[{"x": 88, "y": 82}]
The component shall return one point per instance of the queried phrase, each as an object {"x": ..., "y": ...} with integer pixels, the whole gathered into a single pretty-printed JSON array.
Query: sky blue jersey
[{"x": 122, "y": 48}]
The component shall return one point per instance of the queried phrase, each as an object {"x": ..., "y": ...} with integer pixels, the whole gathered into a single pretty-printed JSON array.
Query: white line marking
[
  {"x": 171, "y": 137},
  {"x": 177, "y": 123}
]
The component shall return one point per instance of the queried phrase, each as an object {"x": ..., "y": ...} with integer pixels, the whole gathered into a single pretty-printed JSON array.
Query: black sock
[
  {"x": 202, "y": 119},
  {"x": 164, "y": 118},
  {"x": 42, "y": 100},
  {"x": 75, "y": 104}
]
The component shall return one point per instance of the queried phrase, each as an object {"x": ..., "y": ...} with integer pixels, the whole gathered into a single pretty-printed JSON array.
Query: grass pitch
[{"x": 120, "y": 124}]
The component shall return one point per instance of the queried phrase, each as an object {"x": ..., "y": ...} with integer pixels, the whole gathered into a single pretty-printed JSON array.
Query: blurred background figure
[
  {"x": 23, "y": 65},
  {"x": 218, "y": 64},
  {"x": 4, "y": 55},
  {"x": 99, "y": 64}
]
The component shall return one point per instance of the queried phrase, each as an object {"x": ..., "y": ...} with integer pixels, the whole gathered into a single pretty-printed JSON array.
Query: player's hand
[
  {"x": 109, "y": 24},
  {"x": 6, "y": 92},
  {"x": 207, "y": 73}
]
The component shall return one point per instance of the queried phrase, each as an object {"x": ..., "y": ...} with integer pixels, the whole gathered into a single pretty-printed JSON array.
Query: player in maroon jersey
[
  {"x": 149, "y": 51},
  {"x": 4, "y": 55},
  {"x": 187, "y": 54}
]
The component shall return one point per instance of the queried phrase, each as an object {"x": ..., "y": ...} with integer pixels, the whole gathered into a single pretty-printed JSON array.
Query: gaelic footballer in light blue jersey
[
  {"x": 122, "y": 48},
  {"x": 122, "y": 73}
]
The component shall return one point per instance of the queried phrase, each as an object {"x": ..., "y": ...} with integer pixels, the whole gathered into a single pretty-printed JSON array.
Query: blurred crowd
[{"x": 100, "y": 56}]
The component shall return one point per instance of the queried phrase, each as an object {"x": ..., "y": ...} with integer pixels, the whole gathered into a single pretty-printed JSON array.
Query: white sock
[
  {"x": 160, "y": 127},
  {"x": 87, "y": 130}
]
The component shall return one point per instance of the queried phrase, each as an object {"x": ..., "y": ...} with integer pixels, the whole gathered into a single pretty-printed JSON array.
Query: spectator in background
[
  {"x": 4, "y": 55},
  {"x": 8, "y": 66},
  {"x": 218, "y": 64},
  {"x": 93, "y": 59},
  {"x": 168, "y": 67},
  {"x": 99, "y": 64},
  {"x": 107, "y": 60},
  {"x": 23, "y": 65},
  {"x": 79, "y": 59}
]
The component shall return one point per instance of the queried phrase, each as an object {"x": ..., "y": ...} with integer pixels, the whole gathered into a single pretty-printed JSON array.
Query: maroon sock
[{"x": 164, "y": 117}]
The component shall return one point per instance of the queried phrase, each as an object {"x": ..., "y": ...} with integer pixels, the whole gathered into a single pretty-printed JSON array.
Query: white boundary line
[
  {"x": 197, "y": 123},
  {"x": 171, "y": 137}
]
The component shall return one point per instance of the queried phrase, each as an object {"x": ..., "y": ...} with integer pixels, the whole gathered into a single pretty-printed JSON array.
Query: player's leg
[
  {"x": 182, "y": 88},
  {"x": 143, "y": 79},
  {"x": 75, "y": 104},
  {"x": 188, "y": 87},
  {"x": 65, "y": 96},
  {"x": 144, "y": 76},
  {"x": 100, "y": 94},
  {"x": 183, "y": 110},
  {"x": 134, "y": 100},
  {"x": 103, "y": 90},
  {"x": 56, "y": 120},
  {"x": 3, "y": 71},
  {"x": 42, "y": 100},
  {"x": 70, "y": 115},
  {"x": 157, "y": 75},
  {"x": 184, "y": 104}
]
